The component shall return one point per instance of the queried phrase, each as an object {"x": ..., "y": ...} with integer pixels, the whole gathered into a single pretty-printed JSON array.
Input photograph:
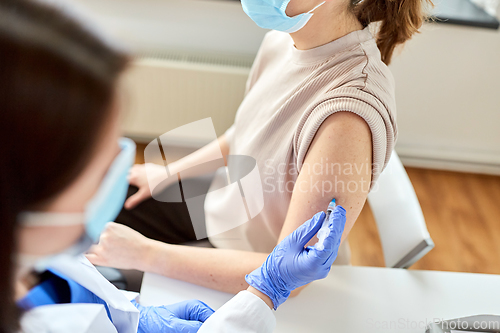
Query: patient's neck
[{"x": 329, "y": 22}]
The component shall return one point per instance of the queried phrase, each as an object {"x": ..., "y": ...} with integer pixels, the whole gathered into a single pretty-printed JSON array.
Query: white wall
[
  {"x": 490, "y": 6},
  {"x": 448, "y": 95},
  {"x": 213, "y": 26}
]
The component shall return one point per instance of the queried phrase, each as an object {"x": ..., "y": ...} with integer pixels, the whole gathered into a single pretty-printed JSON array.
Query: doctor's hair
[
  {"x": 398, "y": 21},
  {"x": 57, "y": 88}
]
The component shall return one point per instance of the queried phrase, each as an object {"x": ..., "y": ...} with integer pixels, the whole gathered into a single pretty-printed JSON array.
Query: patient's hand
[
  {"x": 137, "y": 177},
  {"x": 120, "y": 247}
]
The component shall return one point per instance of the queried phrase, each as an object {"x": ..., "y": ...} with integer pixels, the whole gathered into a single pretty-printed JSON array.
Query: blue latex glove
[
  {"x": 291, "y": 265},
  {"x": 183, "y": 317}
]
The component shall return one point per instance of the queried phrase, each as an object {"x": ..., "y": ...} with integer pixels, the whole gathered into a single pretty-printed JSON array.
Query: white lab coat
[
  {"x": 244, "y": 313},
  {"x": 83, "y": 318}
]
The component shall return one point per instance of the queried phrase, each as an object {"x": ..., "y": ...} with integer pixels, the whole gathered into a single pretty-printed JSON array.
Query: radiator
[{"x": 168, "y": 90}]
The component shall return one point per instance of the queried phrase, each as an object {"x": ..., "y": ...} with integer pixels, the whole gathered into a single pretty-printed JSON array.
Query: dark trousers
[{"x": 167, "y": 222}]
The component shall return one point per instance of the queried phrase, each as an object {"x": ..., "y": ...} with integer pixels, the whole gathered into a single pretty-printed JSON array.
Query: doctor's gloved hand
[
  {"x": 183, "y": 317},
  {"x": 291, "y": 265}
]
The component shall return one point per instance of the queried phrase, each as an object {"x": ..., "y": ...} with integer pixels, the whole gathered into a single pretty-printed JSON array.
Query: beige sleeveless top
[{"x": 289, "y": 94}]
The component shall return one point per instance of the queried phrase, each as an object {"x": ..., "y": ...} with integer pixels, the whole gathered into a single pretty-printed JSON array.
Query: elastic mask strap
[
  {"x": 312, "y": 10},
  {"x": 43, "y": 219},
  {"x": 40, "y": 263}
]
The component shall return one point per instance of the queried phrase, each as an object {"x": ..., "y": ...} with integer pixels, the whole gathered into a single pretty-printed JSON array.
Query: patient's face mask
[
  {"x": 270, "y": 14},
  {"x": 104, "y": 207}
]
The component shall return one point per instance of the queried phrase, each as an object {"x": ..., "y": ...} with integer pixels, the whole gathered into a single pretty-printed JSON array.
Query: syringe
[{"x": 325, "y": 230}]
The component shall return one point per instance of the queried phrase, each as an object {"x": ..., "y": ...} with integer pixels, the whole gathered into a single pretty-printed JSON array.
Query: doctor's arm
[
  {"x": 343, "y": 139},
  {"x": 289, "y": 266}
]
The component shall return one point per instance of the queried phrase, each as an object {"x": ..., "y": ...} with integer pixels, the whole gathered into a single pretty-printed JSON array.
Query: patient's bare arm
[{"x": 343, "y": 138}]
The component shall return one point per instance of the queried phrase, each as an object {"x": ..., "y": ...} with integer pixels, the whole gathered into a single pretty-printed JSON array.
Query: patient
[{"x": 318, "y": 117}]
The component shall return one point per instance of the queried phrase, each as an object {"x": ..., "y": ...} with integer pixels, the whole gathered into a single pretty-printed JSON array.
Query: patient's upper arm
[{"x": 337, "y": 165}]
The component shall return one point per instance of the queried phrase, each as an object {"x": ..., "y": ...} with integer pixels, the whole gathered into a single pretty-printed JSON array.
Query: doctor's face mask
[
  {"x": 270, "y": 14},
  {"x": 102, "y": 208}
]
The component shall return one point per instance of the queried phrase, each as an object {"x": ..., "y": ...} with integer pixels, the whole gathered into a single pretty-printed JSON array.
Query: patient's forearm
[
  {"x": 207, "y": 153},
  {"x": 219, "y": 269}
]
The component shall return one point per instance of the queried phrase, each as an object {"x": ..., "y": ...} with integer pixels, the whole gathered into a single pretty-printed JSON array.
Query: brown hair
[
  {"x": 57, "y": 85},
  {"x": 399, "y": 20}
]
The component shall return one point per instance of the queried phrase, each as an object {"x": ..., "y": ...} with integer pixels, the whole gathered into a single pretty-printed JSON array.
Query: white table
[{"x": 359, "y": 299}]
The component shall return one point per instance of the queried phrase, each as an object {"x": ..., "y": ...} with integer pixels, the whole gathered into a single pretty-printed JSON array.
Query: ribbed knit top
[{"x": 289, "y": 95}]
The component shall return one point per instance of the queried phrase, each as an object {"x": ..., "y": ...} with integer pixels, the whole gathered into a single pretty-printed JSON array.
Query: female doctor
[{"x": 64, "y": 177}]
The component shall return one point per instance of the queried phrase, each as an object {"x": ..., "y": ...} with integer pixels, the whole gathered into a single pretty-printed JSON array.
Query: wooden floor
[{"x": 462, "y": 212}]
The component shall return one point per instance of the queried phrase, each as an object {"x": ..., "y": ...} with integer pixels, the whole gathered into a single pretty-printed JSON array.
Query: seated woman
[
  {"x": 64, "y": 178},
  {"x": 319, "y": 117}
]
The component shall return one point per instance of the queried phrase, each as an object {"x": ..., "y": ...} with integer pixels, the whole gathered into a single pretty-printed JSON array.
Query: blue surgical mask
[
  {"x": 270, "y": 14},
  {"x": 108, "y": 201},
  {"x": 104, "y": 207}
]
